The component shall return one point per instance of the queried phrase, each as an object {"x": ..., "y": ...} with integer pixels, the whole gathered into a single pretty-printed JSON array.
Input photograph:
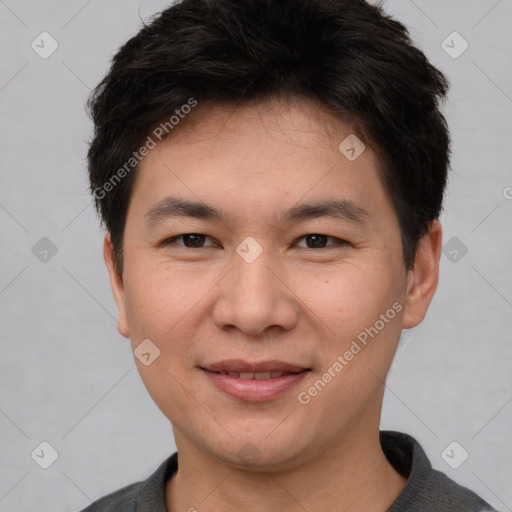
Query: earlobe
[
  {"x": 116, "y": 283},
  {"x": 422, "y": 279}
]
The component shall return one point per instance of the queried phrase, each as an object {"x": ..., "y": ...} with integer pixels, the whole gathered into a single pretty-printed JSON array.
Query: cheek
[
  {"x": 156, "y": 299},
  {"x": 361, "y": 312},
  {"x": 350, "y": 297},
  {"x": 167, "y": 305},
  {"x": 158, "y": 306}
]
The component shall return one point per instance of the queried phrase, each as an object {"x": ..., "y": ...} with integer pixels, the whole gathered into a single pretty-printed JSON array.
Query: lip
[
  {"x": 254, "y": 390},
  {"x": 239, "y": 365}
]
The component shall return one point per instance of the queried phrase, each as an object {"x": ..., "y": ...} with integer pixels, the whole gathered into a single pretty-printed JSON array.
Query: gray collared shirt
[{"x": 427, "y": 490}]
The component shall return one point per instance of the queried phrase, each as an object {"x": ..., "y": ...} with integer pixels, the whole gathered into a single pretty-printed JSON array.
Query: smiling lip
[{"x": 254, "y": 382}]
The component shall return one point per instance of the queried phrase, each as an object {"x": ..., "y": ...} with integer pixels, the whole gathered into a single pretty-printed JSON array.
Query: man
[{"x": 270, "y": 175}]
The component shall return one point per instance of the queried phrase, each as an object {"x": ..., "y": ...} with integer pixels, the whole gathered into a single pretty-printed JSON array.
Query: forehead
[
  {"x": 291, "y": 121},
  {"x": 256, "y": 157}
]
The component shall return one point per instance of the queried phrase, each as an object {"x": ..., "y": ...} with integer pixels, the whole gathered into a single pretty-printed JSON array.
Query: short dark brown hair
[{"x": 348, "y": 55}]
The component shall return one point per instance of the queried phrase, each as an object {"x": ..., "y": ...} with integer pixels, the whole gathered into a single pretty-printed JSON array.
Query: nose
[{"x": 254, "y": 297}]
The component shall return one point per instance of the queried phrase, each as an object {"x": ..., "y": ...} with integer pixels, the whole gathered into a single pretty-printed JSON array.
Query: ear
[
  {"x": 422, "y": 279},
  {"x": 116, "y": 282}
]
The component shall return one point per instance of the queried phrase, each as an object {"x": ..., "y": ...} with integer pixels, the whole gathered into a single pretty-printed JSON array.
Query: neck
[{"x": 354, "y": 476}]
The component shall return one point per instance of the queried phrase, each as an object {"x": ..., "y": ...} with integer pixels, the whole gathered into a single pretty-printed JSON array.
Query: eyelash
[{"x": 337, "y": 241}]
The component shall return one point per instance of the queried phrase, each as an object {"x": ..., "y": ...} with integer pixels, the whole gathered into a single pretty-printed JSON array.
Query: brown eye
[
  {"x": 318, "y": 241},
  {"x": 190, "y": 240},
  {"x": 315, "y": 241},
  {"x": 193, "y": 240}
]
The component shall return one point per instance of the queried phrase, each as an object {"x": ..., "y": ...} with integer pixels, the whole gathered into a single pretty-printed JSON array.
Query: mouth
[
  {"x": 255, "y": 375},
  {"x": 254, "y": 382}
]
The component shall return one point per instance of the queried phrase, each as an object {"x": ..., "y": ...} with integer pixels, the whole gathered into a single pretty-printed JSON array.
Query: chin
[{"x": 261, "y": 452}]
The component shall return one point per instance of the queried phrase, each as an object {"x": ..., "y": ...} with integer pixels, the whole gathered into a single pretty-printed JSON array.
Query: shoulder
[
  {"x": 123, "y": 499},
  {"x": 427, "y": 489},
  {"x": 144, "y": 496},
  {"x": 445, "y": 494}
]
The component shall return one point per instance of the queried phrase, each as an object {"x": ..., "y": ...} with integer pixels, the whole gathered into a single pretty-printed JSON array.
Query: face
[{"x": 266, "y": 267}]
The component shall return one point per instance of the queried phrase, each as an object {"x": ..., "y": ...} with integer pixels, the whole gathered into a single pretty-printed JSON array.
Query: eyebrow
[
  {"x": 341, "y": 209},
  {"x": 170, "y": 207}
]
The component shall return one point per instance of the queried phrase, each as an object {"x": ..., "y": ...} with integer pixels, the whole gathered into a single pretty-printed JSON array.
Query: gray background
[{"x": 67, "y": 377}]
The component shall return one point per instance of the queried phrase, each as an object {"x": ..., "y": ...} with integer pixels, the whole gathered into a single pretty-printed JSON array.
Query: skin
[{"x": 296, "y": 303}]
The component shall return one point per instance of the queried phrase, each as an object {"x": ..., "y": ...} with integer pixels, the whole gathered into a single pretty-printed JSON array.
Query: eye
[
  {"x": 190, "y": 240},
  {"x": 317, "y": 241}
]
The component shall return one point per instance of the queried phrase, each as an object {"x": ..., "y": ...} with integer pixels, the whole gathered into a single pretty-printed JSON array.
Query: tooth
[
  {"x": 262, "y": 375},
  {"x": 234, "y": 374},
  {"x": 246, "y": 375},
  {"x": 276, "y": 373}
]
